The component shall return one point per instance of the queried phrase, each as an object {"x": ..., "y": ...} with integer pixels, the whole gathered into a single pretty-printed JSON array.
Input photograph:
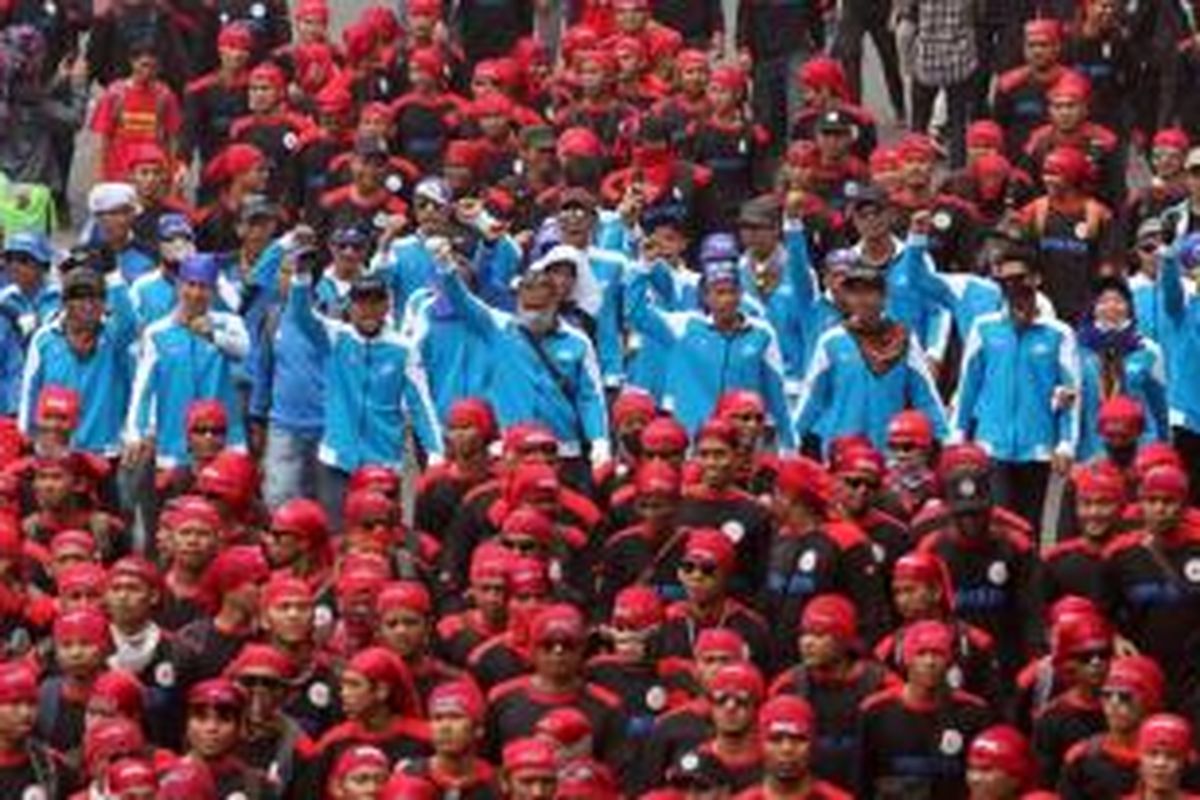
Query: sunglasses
[
  {"x": 704, "y": 568},
  {"x": 350, "y": 246},
  {"x": 735, "y": 698},
  {"x": 520, "y": 546},
  {"x": 905, "y": 447},
  {"x": 559, "y": 644},
  {"x": 259, "y": 682},
  {"x": 1089, "y": 656},
  {"x": 1122, "y": 696},
  {"x": 208, "y": 430},
  {"x": 861, "y": 483}
]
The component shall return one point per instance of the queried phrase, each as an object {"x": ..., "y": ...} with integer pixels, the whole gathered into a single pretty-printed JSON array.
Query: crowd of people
[{"x": 533, "y": 400}]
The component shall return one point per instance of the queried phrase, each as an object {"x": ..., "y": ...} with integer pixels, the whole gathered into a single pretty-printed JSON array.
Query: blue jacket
[
  {"x": 12, "y": 361},
  {"x": 789, "y": 306},
  {"x": 101, "y": 379},
  {"x": 1144, "y": 380},
  {"x": 1182, "y": 310},
  {"x": 1009, "y": 379},
  {"x": 288, "y": 377},
  {"x": 672, "y": 290},
  {"x": 408, "y": 266},
  {"x": 370, "y": 387},
  {"x": 30, "y": 313},
  {"x": 524, "y": 388},
  {"x": 704, "y": 362},
  {"x": 458, "y": 361},
  {"x": 843, "y": 396},
  {"x": 176, "y": 367},
  {"x": 608, "y": 269},
  {"x": 153, "y": 297},
  {"x": 910, "y": 307}
]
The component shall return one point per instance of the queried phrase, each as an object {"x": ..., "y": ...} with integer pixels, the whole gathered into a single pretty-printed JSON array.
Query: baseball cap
[
  {"x": 368, "y": 286},
  {"x": 434, "y": 189},
  {"x": 257, "y": 206},
  {"x": 29, "y": 243},
  {"x": 81, "y": 283},
  {"x": 174, "y": 226}
]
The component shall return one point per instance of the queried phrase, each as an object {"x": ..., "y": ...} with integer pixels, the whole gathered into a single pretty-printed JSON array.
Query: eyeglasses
[
  {"x": 1088, "y": 656},
  {"x": 704, "y": 568},
  {"x": 208, "y": 430},
  {"x": 861, "y": 483},
  {"x": 735, "y": 698},
  {"x": 1122, "y": 696}
]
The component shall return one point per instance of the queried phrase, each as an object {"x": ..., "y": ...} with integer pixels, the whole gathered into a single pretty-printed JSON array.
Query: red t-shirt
[{"x": 129, "y": 114}]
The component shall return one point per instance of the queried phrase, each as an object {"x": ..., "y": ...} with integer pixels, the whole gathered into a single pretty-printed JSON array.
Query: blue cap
[
  {"x": 662, "y": 215},
  {"x": 434, "y": 189},
  {"x": 29, "y": 243},
  {"x": 199, "y": 268},
  {"x": 349, "y": 234},
  {"x": 174, "y": 226},
  {"x": 718, "y": 247}
]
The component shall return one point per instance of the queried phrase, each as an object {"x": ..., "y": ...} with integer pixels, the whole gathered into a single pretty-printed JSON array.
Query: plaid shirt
[{"x": 945, "y": 41}]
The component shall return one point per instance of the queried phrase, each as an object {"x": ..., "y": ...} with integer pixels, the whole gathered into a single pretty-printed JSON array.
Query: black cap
[
  {"x": 257, "y": 206},
  {"x": 968, "y": 490},
  {"x": 368, "y": 286},
  {"x": 662, "y": 215},
  {"x": 697, "y": 771},
  {"x": 82, "y": 283},
  {"x": 835, "y": 121},
  {"x": 865, "y": 194}
]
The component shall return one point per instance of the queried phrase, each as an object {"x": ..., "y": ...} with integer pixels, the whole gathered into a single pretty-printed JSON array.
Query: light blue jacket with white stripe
[
  {"x": 372, "y": 385},
  {"x": 842, "y": 396},
  {"x": 1181, "y": 310},
  {"x": 672, "y": 289},
  {"x": 909, "y": 306},
  {"x": 176, "y": 366},
  {"x": 523, "y": 386},
  {"x": 703, "y": 362},
  {"x": 1011, "y": 378},
  {"x": 458, "y": 361}
]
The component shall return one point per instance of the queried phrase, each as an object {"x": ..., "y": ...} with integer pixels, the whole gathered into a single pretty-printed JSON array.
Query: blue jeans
[{"x": 290, "y": 464}]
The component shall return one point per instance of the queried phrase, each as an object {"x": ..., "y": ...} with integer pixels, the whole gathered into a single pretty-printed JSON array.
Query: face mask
[
  {"x": 537, "y": 321},
  {"x": 176, "y": 250}
]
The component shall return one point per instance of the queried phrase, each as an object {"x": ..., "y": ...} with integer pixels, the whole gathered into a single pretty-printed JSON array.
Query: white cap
[
  {"x": 587, "y": 294},
  {"x": 105, "y": 197}
]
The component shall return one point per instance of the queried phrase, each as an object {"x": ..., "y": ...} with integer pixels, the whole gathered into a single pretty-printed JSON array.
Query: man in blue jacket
[
  {"x": 374, "y": 384},
  {"x": 548, "y": 370},
  {"x": 1019, "y": 394},
  {"x": 709, "y": 354},
  {"x": 188, "y": 355}
]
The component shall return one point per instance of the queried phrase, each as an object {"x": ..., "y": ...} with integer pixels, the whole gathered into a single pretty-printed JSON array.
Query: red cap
[
  {"x": 637, "y": 608},
  {"x": 823, "y": 72},
  {"x": 1102, "y": 482},
  {"x": 489, "y": 561},
  {"x": 217, "y": 692},
  {"x": 312, "y": 9},
  {"x": 804, "y": 480},
  {"x": 578, "y": 143},
  {"x": 303, "y": 518},
  {"x": 376, "y": 478},
  {"x": 402, "y": 786},
  {"x": 408, "y": 595},
  {"x": 883, "y": 160},
  {"x": 527, "y": 435},
  {"x": 235, "y": 36},
  {"x": 119, "y": 693},
  {"x": 721, "y": 640},
  {"x": 711, "y": 546},
  {"x": 568, "y": 726},
  {"x": 1164, "y": 481},
  {"x": 384, "y": 21},
  {"x": 526, "y": 521},
  {"x": 235, "y": 567},
  {"x": 1070, "y": 605},
  {"x": 857, "y": 458},
  {"x": 459, "y": 696},
  {"x": 144, "y": 153},
  {"x": 557, "y": 622},
  {"x": 381, "y": 665},
  {"x": 356, "y": 757},
  {"x": 742, "y": 678},
  {"x": 18, "y": 682},
  {"x": 236, "y": 159},
  {"x": 788, "y": 715},
  {"x": 530, "y": 480},
  {"x": 729, "y": 76},
  {"x": 1067, "y": 163},
  {"x": 925, "y": 636},
  {"x": 910, "y": 427},
  {"x": 1140, "y": 675},
  {"x": 81, "y": 577},
  {"x": 1165, "y": 732},
  {"x": 691, "y": 59},
  {"x": 830, "y": 614},
  {"x": 740, "y": 401},
  {"x": 1049, "y": 29},
  {"x": 334, "y": 99},
  {"x": 137, "y": 567},
  {"x": 428, "y": 61},
  {"x": 59, "y": 401},
  {"x": 926, "y": 569},
  {"x": 1080, "y": 633},
  {"x": 664, "y": 433},
  {"x": 259, "y": 658},
  {"x": 232, "y": 476},
  {"x": 1121, "y": 417},
  {"x": 985, "y": 133},
  {"x": 1070, "y": 87},
  {"x": 270, "y": 73},
  {"x": 375, "y": 111},
  {"x": 633, "y": 402},
  {"x": 473, "y": 412},
  {"x": 284, "y": 588},
  {"x": 719, "y": 429},
  {"x": 84, "y": 624},
  {"x": 1171, "y": 138},
  {"x": 624, "y": 45},
  {"x": 530, "y": 755},
  {"x": 1153, "y": 455},
  {"x": 916, "y": 147},
  {"x": 72, "y": 539},
  {"x": 491, "y": 104},
  {"x": 656, "y": 477},
  {"x": 967, "y": 457},
  {"x": 528, "y": 576},
  {"x": 193, "y": 508},
  {"x": 359, "y": 40},
  {"x": 111, "y": 738},
  {"x": 364, "y": 504},
  {"x": 361, "y": 580},
  {"x": 130, "y": 775},
  {"x": 187, "y": 779},
  {"x": 425, "y": 8},
  {"x": 1003, "y": 748}
]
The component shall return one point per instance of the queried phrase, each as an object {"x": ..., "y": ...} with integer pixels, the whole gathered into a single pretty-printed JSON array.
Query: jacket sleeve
[
  {"x": 419, "y": 402},
  {"x": 299, "y": 311},
  {"x": 798, "y": 267},
  {"x": 922, "y": 391},
  {"x": 140, "y": 423},
  {"x": 1070, "y": 378},
  {"x": 654, "y": 323},
  {"x": 969, "y": 384},
  {"x": 230, "y": 336},
  {"x": 31, "y": 383},
  {"x": 1156, "y": 395},
  {"x": 1170, "y": 285},
  {"x": 10, "y": 368},
  {"x": 496, "y": 265},
  {"x": 485, "y": 321},
  {"x": 814, "y": 394},
  {"x": 773, "y": 391}
]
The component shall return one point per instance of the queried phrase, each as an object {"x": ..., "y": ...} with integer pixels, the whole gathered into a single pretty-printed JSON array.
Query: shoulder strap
[
  {"x": 560, "y": 380},
  {"x": 659, "y": 555},
  {"x": 1164, "y": 565}
]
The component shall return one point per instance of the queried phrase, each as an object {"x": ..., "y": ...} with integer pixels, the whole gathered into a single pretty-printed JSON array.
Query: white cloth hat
[{"x": 105, "y": 197}]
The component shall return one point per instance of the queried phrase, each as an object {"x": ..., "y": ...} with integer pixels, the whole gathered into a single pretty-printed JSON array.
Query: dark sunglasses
[
  {"x": 1122, "y": 696},
  {"x": 736, "y": 698},
  {"x": 905, "y": 447},
  {"x": 350, "y": 246},
  {"x": 559, "y": 644},
  {"x": 208, "y": 430},
  {"x": 705, "y": 568},
  {"x": 259, "y": 682},
  {"x": 1088, "y": 656},
  {"x": 521, "y": 546},
  {"x": 861, "y": 483}
]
